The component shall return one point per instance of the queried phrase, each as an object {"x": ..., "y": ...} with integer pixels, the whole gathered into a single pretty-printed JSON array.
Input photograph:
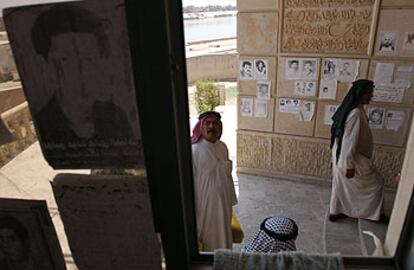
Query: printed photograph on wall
[
  {"x": 309, "y": 69},
  {"x": 246, "y": 70},
  {"x": 27, "y": 237},
  {"x": 329, "y": 68},
  {"x": 329, "y": 112},
  {"x": 327, "y": 89},
  {"x": 260, "y": 69},
  {"x": 408, "y": 44},
  {"x": 293, "y": 69},
  {"x": 75, "y": 67},
  {"x": 263, "y": 89},
  {"x": 376, "y": 117},
  {"x": 304, "y": 88},
  {"x": 246, "y": 106},
  {"x": 387, "y": 42}
]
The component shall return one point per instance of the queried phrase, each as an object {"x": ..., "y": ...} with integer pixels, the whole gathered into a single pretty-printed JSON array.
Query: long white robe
[
  {"x": 362, "y": 195},
  {"x": 214, "y": 194}
]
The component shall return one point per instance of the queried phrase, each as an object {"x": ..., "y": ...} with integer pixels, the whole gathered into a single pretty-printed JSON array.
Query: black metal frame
[{"x": 158, "y": 54}]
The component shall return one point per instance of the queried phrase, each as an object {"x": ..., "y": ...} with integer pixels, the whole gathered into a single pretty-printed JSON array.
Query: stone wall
[
  {"x": 295, "y": 143},
  {"x": 212, "y": 66}
]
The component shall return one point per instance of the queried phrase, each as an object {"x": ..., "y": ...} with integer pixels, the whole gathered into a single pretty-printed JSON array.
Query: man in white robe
[
  {"x": 357, "y": 190},
  {"x": 213, "y": 183}
]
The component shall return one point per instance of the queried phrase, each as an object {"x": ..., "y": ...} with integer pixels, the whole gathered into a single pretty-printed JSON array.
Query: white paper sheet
[
  {"x": 376, "y": 116},
  {"x": 393, "y": 93},
  {"x": 347, "y": 70},
  {"x": 395, "y": 119},
  {"x": 304, "y": 88},
  {"x": 309, "y": 69},
  {"x": 329, "y": 112},
  {"x": 293, "y": 69},
  {"x": 263, "y": 89},
  {"x": 246, "y": 106},
  {"x": 404, "y": 73},
  {"x": 307, "y": 110},
  {"x": 260, "y": 108},
  {"x": 288, "y": 105},
  {"x": 383, "y": 73},
  {"x": 327, "y": 89}
]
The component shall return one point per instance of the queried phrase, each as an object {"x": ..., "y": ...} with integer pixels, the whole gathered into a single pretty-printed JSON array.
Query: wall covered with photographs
[{"x": 297, "y": 61}]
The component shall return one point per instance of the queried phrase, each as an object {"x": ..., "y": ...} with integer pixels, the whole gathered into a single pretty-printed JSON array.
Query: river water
[{"x": 211, "y": 28}]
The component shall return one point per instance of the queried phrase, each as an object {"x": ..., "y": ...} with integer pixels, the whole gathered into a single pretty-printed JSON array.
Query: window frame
[{"x": 158, "y": 55}]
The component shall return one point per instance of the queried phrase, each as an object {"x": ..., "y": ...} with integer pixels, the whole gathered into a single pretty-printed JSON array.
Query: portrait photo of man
[
  {"x": 246, "y": 70},
  {"x": 376, "y": 117},
  {"x": 260, "y": 69},
  {"x": 387, "y": 42},
  {"x": 81, "y": 104},
  {"x": 308, "y": 69}
]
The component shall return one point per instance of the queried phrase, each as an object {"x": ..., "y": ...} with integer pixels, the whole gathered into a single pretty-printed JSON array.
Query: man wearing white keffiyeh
[{"x": 275, "y": 234}]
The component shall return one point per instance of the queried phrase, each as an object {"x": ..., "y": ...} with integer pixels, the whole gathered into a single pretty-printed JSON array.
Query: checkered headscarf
[{"x": 275, "y": 234}]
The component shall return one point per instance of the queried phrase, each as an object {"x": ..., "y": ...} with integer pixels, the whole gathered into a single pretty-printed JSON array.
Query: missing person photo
[
  {"x": 263, "y": 89},
  {"x": 246, "y": 106},
  {"x": 408, "y": 41},
  {"x": 387, "y": 42},
  {"x": 329, "y": 68},
  {"x": 376, "y": 117},
  {"x": 308, "y": 70},
  {"x": 292, "y": 69},
  {"x": 246, "y": 70},
  {"x": 260, "y": 69},
  {"x": 79, "y": 86}
]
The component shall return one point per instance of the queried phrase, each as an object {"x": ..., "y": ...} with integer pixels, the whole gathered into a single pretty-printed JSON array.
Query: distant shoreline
[{"x": 208, "y": 15}]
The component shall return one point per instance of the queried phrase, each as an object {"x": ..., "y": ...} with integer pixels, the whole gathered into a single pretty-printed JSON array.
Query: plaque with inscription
[{"x": 327, "y": 26}]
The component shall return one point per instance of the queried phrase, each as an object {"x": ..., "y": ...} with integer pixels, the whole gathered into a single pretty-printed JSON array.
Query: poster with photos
[
  {"x": 289, "y": 105},
  {"x": 376, "y": 117},
  {"x": 260, "y": 69},
  {"x": 408, "y": 44},
  {"x": 263, "y": 89},
  {"x": 304, "y": 88},
  {"x": 327, "y": 89},
  {"x": 301, "y": 69},
  {"x": 260, "y": 108},
  {"x": 246, "y": 69},
  {"x": 246, "y": 106},
  {"x": 387, "y": 42}
]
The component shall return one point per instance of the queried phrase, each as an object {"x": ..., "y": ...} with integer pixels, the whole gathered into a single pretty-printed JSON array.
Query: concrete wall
[
  {"x": 212, "y": 66},
  {"x": 279, "y": 30}
]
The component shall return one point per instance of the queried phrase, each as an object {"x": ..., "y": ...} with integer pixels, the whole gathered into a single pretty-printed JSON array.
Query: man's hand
[{"x": 350, "y": 173}]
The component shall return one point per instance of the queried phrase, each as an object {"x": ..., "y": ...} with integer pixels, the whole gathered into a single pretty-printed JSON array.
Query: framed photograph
[
  {"x": 263, "y": 89},
  {"x": 27, "y": 236},
  {"x": 74, "y": 63},
  {"x": 260, "y": 69},
  {"x": 246, "y": 70},
  {"x": 387, "y": 42}
]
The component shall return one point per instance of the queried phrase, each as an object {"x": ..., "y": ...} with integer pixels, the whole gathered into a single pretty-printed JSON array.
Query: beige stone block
[
  {"x": 397, "y": 3},
  {"x": 257, "y": 5},
  {"x": 395, "y": 23},
  {"x": 388, "y": 162},
  {"x": 253, "y": 122},
  {"x": 253, "y": 151},
  {"x": 409, "y": 93},
  {"x": 249, "y": 87},
  {"x": 285, "y": 87},
  {"x": 257, "y": 33},
  {"x": 314, "y": 27},
  {"x": 290, "y": 123}
]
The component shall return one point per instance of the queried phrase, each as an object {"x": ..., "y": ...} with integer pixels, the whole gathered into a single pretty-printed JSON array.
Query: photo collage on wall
[
  {"x": 383, "y": 118},
  {"x": 256, "y": 69}
]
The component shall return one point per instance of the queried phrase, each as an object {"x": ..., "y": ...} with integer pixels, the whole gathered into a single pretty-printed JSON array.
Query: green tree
[{"x": 206, "y": 96}]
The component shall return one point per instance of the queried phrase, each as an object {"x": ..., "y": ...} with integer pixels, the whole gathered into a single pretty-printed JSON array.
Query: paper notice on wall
[
  {"x": 307, "y": 110},
  {"x": 108, "y": 217},
  {"x": 404, "y": 73},
  {"x": 395, "y": 119},
  {"x": 288, "y": 105},
  {"x": 383, "y": 73},
  {"x": 392, "y": 92},
  {"x": 329, "y": 112},
  {"x": 246, "y": 106},
  {"x": 376, "y": 117},
  {"x": 327, "y": 89},
  {"x": 304, "y": 88},
  {"x": 260, "y": 108}
]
